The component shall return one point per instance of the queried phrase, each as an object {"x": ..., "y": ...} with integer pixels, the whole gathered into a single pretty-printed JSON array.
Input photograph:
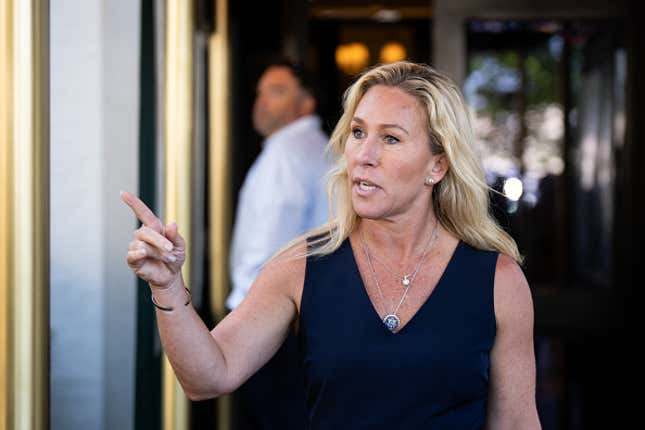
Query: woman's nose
[{"x": 369, "y": 153}]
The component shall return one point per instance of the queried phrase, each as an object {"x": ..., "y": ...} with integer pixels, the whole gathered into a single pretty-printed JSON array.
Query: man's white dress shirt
[{"x": 283, "y": 196}]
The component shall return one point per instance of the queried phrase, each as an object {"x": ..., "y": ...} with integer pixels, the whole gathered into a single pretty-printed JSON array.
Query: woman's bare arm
[
  {"x": 511, "y": 402},
  {"x": 208, "y": 364}
]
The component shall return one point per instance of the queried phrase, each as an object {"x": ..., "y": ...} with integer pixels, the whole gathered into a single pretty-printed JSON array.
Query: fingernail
[
  {"x": 168, "y": 247},
  {"x": 171, "y": 258}
]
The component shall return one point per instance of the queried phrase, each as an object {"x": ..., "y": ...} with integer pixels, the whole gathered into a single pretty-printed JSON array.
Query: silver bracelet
[{"x": 169, "y": 309}]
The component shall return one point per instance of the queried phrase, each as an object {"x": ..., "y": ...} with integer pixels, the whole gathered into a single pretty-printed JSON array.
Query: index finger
[{"x": 142, "y": 212}]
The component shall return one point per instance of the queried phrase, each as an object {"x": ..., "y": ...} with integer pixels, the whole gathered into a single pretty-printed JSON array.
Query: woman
[{"x": 411, "y": 243}]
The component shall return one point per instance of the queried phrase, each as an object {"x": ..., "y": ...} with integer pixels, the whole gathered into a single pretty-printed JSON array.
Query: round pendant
[
  {"x": 405, "y": 281},
  {"x": 391, "y": 322}
]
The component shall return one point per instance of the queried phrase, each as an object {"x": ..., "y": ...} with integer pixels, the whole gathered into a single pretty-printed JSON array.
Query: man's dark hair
[{"x": 303, "y": 75}]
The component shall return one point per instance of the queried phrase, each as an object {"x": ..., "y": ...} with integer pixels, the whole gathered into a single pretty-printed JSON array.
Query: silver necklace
[
  {"x": 405, "y": 279},
  {"x": 391, "y": 319}
]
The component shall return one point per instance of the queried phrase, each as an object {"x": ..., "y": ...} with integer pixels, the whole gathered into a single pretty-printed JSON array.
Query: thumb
[{"x": 172, "y": 234}]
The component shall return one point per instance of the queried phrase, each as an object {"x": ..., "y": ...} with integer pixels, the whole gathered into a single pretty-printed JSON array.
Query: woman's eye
[
  {"x": 357, "y": 132},
  {"x": 391, "y": 139}
]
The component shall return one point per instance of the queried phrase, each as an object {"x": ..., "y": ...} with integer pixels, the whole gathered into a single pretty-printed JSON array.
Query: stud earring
[{"x": 429, "y": 181}]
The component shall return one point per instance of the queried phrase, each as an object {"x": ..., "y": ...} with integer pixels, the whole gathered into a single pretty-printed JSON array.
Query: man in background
[{"x": 282, "y": 197}]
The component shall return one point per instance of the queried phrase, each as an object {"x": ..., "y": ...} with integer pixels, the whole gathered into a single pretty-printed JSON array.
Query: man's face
[{"x": 279, "y": 100}]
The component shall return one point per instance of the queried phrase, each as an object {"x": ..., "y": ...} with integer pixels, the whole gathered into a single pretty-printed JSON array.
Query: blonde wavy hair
[{"x": 460, "y": 199}]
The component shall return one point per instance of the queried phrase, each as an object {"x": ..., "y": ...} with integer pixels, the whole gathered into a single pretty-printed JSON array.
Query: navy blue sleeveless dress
[{"x": 432, "y": 374}]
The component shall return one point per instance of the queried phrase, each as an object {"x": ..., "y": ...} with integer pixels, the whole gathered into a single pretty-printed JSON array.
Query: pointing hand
[{"x": 157, "y": 251}]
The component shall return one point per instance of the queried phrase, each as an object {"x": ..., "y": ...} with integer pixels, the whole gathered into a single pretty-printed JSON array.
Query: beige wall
[{"x": 94, "y": 148}]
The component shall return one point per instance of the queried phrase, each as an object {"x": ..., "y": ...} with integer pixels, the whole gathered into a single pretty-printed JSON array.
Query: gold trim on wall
[
  {"x": 6, "y": 208},
  {"x": 220, "y": 211},
  {"x": 178, "y": 136},
  {"x": 220, "y": 159},
  {"x": 24, "y": 215}
]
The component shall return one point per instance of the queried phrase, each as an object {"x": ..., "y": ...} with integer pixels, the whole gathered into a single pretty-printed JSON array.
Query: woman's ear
[{"x": 438, "y": 167}]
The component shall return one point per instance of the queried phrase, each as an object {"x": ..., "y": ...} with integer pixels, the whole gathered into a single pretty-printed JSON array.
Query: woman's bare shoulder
[
  {"x": 286, "y": 271},
  {"x": 512, "y": 293}
]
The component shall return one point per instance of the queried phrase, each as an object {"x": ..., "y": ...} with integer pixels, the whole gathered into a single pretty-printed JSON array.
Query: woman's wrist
[
  {"x": 170, "y": 297},
  {"x": 176, "y": 284}
]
